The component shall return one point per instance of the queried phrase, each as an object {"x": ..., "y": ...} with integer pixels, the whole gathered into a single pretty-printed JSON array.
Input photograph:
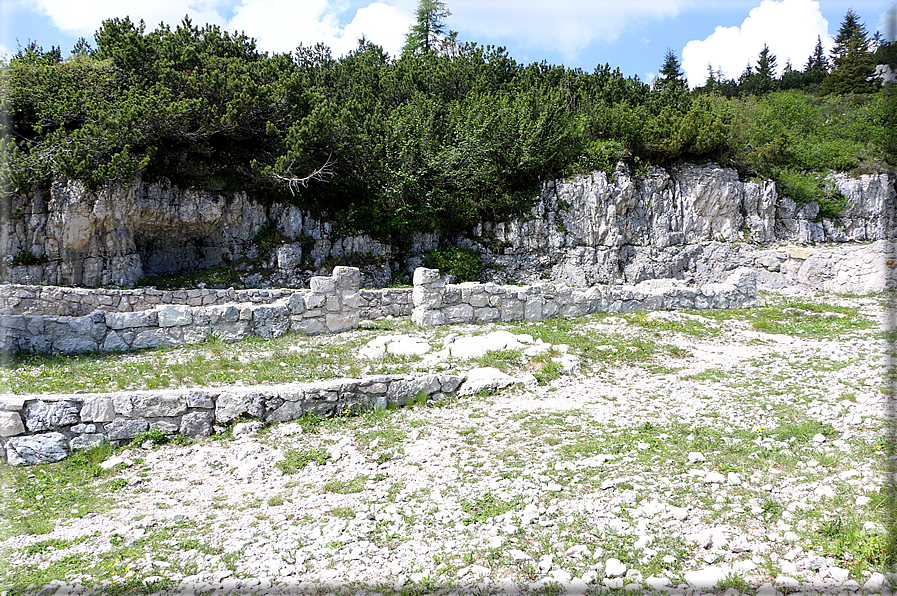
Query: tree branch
[{"x": 294, "y": 183}]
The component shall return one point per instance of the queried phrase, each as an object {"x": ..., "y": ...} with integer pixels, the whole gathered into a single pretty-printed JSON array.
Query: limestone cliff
[{"x": 690, "y": 222}]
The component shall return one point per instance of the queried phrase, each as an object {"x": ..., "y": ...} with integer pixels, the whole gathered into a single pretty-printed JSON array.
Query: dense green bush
[
  {"x": 424, "y": 142},
  {"x": 465, "y": 264}
]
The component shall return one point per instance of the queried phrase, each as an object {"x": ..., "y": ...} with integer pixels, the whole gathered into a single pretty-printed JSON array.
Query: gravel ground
[{"x": 739, "y": 461}]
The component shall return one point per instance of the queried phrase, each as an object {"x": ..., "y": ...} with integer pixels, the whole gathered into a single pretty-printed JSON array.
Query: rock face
[{"x": 691, "y": 221}]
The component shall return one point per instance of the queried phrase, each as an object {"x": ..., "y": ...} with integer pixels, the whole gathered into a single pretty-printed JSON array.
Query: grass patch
[
  {"x": 346, "y": 487},
  {"x": 484, "y": 508},
  {"x": 36, "y": 498},
  {"x": 298, "y": 460}
]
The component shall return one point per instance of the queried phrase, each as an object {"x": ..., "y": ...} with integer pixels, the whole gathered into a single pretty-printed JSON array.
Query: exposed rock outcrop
[{"x": 692, "y": 222}]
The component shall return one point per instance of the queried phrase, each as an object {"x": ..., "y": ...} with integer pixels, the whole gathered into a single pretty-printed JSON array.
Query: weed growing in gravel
[
  {"x": 800, "y": 318},
  {"x": 345, "y": 487},
  {"x": 35, "y": 498},
  {"x": 484, "y": 508},
  {"x": 298, "y": 460}
]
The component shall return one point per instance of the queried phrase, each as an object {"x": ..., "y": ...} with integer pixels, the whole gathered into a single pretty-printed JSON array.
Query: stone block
[
  {"x": 125, "y": 320},
  {"x": 41, "y": 415},
  {"x": 296, "y": 304},
  {"x": 313, "y": 301},
  {"x": 86, "y": 441},
  {"x": 75, "y": 345},
  {"x": 331, "y": 304},
  {"x": 271, "y": 321},
  {"x": 322, "y": 285},
  {"x": 150, "y": 338},
  {"x": 512, "y": 309},
  {"x": 124, "y": 428},
  {"x": 36, "y": 449},
  {"x": 290, "y": 410},
  {"x": 11, "y": 424},
  {"x": 459, "y": 313},
  {"x": 98, "y": 409},
  {"x": 195, "y": 334},
  {"x": 427, "y": 318},
  {"x": 16, "y": 322},
  {"x": 159, "y": 406},
  {"x": 166, "y": 426},
  {"x": 114, "y": 343},
  {"x": 84, "y": 429},
  {"x": 403, "y": 391},
  {"x": 424, "y": 276},
  {"x": 123, "y": 405},
  {"x": 339, "y": 322},
  {"x": 231, "y": 332},
  {"x": 199, "y": 399},
  {"x": 486, "y": 315},
  {"x": 533, "y": 309},
  {"x": 230, "y": 406},
  {"x": 313, "y": 326},
  {"x": 451, "y": 295},
  {"x": 478, "y": 300},
  {"x": 347, "y": 278},
  {"x": 351, "y": 300},
  {"x": 196, "y": 424},
  {"x": 82, "y": 326},
  {"x": 174, "y": 316},
  {"x": 450, "y": 383}
]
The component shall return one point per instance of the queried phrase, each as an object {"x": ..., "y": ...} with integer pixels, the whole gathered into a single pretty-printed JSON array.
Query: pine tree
[
  {"x": 766, "y": 64},
  {"x": 430, "y": 26},
  {"x": 852, "y": 62},
  {"x": 817, "y": 60},
  {"x": 671, "y": 74}
]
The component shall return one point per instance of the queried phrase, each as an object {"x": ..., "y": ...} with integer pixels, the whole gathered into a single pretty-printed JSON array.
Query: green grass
[
  {"x": 48, "y": 494},
  {"x": 298, "y": 460},
  {"x": 345, "y": 487},
  {"x": 484, "y": 508}
]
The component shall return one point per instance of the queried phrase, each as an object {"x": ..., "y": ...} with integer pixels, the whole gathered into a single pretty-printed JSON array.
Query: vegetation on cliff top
[{"x": 439, "y": 138}]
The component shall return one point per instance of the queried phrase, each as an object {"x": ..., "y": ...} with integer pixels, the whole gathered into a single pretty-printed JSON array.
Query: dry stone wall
[
  {"x": 41, "y": 429},
  {"x": 439, "y": 303},
  {"x": 331, "y": 305}
]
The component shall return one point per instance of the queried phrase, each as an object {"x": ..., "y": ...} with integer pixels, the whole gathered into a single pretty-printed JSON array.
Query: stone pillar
[{"x": 427, "y": 295}]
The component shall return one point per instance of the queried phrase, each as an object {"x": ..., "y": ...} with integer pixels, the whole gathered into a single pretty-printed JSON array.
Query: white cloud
[
  {"x": 381, "y": 24},
  {"x": 84, "y": 17},
  {"x": 278, "y": 25},
  {"x": 568, "y": 26},
  {"x": 788, "y": 27},
  {"x": 281, "y": 25}
]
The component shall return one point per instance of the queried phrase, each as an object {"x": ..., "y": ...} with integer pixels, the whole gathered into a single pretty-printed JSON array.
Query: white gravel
[{"x": 669, "y": 475}]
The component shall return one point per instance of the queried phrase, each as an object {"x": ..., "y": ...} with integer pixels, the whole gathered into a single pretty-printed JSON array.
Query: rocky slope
[{"x": 689, "y": 221}]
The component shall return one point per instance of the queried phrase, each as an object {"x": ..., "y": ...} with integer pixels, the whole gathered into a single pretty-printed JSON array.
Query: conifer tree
[
  {"x": 817, "y": 60},
  {"x": 852, "y": 62},
  {"x": 671, "y": 74},
  {"x": 766, "y": 63},
  {"x": 430, "y": 26}
]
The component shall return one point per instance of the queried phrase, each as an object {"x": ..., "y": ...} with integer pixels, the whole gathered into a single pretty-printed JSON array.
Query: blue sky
[{"x": 630, "y": 34}]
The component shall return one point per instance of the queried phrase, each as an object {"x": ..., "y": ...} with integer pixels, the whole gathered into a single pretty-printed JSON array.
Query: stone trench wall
[
  {"x": 330, "y": 306},
  {"x": 19, "y": 299},
  {"x": 42, "y": 429},
  {"x": 439, "y": 303}
]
